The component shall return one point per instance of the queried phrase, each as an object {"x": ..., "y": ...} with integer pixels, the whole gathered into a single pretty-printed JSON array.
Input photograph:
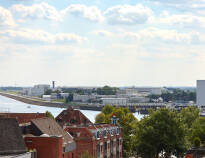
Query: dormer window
[
  {"x": 112, "y": 132},
  {"x": 105, "y": 133}
]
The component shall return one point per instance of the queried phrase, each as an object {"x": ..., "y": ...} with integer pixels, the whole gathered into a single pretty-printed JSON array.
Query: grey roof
[
  {"x": 50, "y": 127},
  {"x": 11, "y": 140}
]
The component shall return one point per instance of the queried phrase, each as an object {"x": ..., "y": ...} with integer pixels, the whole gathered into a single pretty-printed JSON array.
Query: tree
[
  {"x": 198, "y": 129},
  {"x": 100, "y": 118},
  {"x": 69, "y": 98},
  {"x": 197, "y": 142},
  {"x": 126, "y": 120},
  {"x": 107, "y": 109},
  {"x": 106, "y": 90},
  {"x": 160, "y": 132},
  {"x": 86, "y": 155},
  {"x": 189, "y": 115},
  {"x": 49, "y": 114},
  {"x": 48, "y": 92}
]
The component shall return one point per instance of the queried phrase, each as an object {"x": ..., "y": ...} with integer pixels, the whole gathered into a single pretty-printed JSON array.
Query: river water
[{"x": 11, "y": 105}]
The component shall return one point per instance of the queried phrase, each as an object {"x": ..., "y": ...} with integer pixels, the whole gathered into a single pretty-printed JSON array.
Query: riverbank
[{"x": 39, "y": 102}]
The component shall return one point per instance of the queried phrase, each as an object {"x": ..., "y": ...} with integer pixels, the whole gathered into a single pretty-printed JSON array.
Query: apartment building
[{"x": 100, "y": 140}]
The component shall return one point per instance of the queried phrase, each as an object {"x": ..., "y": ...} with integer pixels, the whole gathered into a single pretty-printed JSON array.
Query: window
[
  {"x": 98, "y": 134},
  {"x": 105, "y": 133},
  {"x": 101, "y": 148},
  {"x": 117, "y": 130}
]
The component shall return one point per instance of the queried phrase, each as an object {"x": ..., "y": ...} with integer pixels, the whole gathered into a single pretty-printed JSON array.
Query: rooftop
[{"x": 11, "y": 138}]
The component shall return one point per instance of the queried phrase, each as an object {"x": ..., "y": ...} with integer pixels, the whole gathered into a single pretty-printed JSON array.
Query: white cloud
[
  {"x": 184, "y": 20},
  {"x": 91, "y": 13},
  {"x": 39, "y": 36},
  {"x": 6, "y": 18},
  {"x": 128, "y": 14},
  {"x": 162, "y": 34},
  {"x": 37, "y": 11},
  {"x": 103, "y": 33}
]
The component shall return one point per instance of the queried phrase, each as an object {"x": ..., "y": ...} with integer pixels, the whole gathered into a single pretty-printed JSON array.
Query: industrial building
[{"x": 200, "y": 91}]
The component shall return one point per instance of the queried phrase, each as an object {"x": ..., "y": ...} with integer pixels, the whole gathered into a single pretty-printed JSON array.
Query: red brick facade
[
  {"x": 72, "y": 117},
  {"x": 23, "y": 117},
  {"x": 46, "y": 147},
  {"x": 101, "y": 141}
]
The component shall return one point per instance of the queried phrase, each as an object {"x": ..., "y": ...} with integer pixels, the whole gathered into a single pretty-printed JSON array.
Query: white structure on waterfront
[
  {"x": 141, "y": 90},
  {"x": 200, "y": 91},
  {"x": 82, "y": 98},
  {"x": 37, "y": 90},
  {"x": 114, "y": 101}
]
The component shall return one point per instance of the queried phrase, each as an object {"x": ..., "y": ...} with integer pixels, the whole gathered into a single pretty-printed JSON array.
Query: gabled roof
[
  {"x": 50, "y": 127},
  {"x": 11, "y": 140},
  {"x": 71, "y": 117}
]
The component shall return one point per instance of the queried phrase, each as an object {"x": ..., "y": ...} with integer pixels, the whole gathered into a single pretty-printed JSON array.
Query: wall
[
  {"x": 200, "y": 93},
  {"x": 47, "y": 147}
]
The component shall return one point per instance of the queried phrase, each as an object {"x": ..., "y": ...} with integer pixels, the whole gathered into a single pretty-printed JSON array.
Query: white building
[
  {"x": 64, "y": 95},
  {"x": 141, "y": 90},
  {"x": 200, "y": 91},
  {"x": 46, "y": 97},
  {"x": 114, "y": 101},
  {"x": 37, "y": 90},
  {"x": 82, "y": 98}
]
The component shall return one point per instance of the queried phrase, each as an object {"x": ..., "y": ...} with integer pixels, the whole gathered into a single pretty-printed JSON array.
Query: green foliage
[
  {"x": 108, "y": 109},
  {"x": 161, "y": 131},
  {"x": 100, "y": 118},
  {"x": 69, "y": 98},
  {"x": 198, "y": 129},
  {"x": 49, "y": 114},
  {"x": 106, "y": 90},
  {"x": 126, "y": 120},
  {"x": 48, "y": 92},
  {"x": 178, "y": 94},
  {"x": 189, "y": 115},
  {"x": 197, "y": 142},
  {"x": 86, "y": 155}
]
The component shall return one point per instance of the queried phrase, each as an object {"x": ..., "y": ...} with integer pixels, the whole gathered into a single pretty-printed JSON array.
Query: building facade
[
  {"x": 200, "y": 93},
  {"x": 99, "y": 140},
  {"x": 48, "y": 139},
  {"x": 72, "y": 117},
  {"x": 114, "y": 101}
]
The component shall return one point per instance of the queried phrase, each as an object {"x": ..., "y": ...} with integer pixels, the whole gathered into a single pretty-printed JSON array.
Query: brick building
[
  {"x": 72, "y": 117},
  {"x": 23, "y": 118},
  {"x": 100, "y": 140},
  {"x": 49, "y": 140},
  {"x": 11, "y": 140}
]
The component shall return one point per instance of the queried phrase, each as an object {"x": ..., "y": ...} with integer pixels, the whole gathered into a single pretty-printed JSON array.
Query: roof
[
  {"x": 71, "y": 117},
  {"x": 49, "y": 126},
  {"x": 198, "y": 151},
  {"x": 23, "y": 117},
  {"x": 11, "y": 138}
]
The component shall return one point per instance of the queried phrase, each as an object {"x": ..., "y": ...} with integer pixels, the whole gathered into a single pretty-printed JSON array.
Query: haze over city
[{"x": 97, "y": 43}]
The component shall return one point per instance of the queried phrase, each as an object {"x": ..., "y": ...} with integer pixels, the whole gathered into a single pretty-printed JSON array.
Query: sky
[{"x": 102, "y": 42}]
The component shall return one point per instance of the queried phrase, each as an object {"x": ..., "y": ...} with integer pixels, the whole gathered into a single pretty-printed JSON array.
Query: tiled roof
[
  {"x": 50, "y": 127},
  {"x": 23, "y": 117},
  {"x": 11, "y": 140}
]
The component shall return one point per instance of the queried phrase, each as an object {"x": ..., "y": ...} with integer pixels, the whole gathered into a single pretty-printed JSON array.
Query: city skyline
[{"x": 97, "y": 43}]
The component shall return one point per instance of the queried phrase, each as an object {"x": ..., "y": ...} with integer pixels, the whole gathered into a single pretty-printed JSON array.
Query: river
[{"x": 11, "y": 105}]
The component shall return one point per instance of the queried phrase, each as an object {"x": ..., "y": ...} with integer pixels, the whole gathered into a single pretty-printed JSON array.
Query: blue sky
[{"x": 102, "y": 42}]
